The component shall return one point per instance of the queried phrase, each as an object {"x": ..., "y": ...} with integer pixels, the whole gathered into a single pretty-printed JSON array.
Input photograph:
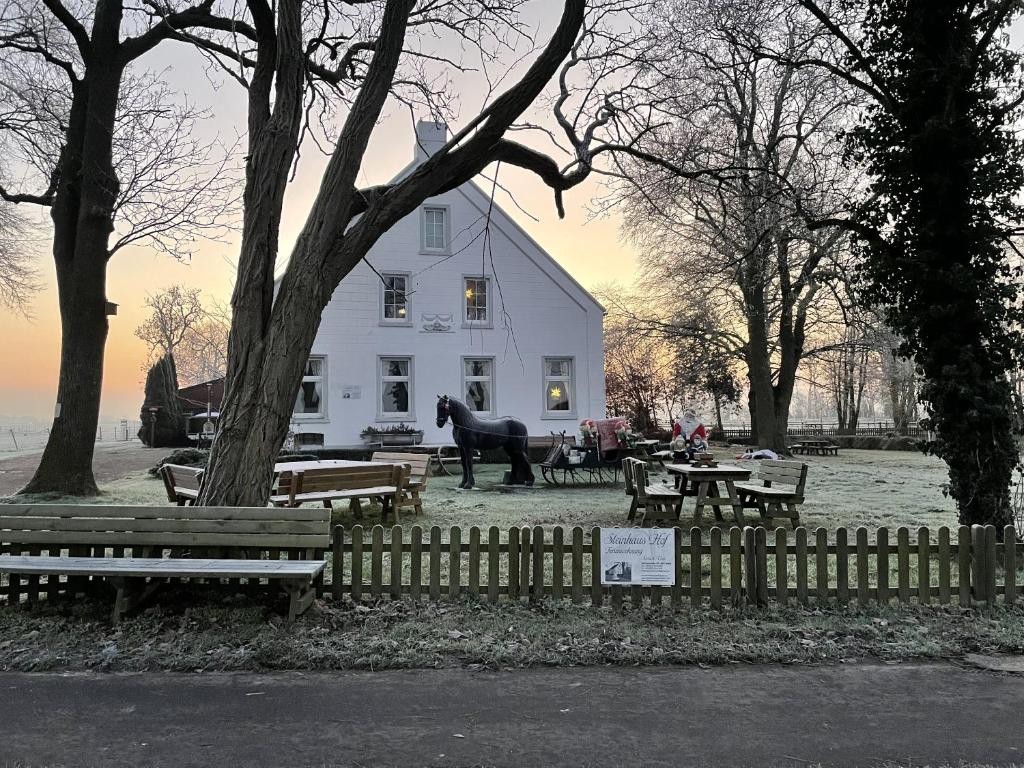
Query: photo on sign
[{"x": 637, "y": 556}]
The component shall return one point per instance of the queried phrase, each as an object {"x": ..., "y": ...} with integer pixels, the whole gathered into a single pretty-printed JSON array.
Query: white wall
[{"x": 550, "y": 315}]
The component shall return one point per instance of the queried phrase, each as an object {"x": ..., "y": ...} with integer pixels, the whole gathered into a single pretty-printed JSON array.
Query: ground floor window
[
  {"x": 309, "y": 403},
  {"x": 395, "y": 387},
  {"x": 559, "y": 386},
  {"x": 478, "y": 383}
]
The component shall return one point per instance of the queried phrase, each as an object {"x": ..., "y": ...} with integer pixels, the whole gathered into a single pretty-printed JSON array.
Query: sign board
[
  {"x": 631, "y": 556},
  {"x": 351, "y": 392}
]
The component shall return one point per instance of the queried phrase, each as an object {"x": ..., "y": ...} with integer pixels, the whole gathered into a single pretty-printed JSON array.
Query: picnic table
[
  {"x": 819, "y": 446},
  {"x": 705, "y": 480}
]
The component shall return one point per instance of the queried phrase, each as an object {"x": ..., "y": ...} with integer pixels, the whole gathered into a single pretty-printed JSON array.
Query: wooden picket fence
[{"x": 739, "y": 566}]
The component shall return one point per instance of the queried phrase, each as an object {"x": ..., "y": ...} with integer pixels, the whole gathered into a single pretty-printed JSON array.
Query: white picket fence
[{"x": 20, "y": 438}]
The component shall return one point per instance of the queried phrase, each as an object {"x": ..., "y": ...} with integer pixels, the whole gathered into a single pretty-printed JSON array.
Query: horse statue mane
[{"x": 472, "y": 433}]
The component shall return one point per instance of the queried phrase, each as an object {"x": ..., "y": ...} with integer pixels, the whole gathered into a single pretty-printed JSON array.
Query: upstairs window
[
  {"x": 309, "y": 403},
  {"x": 435, "y": 229},
  {"x": 395, "y": 299},
  {"x": 476, "y": 301}
]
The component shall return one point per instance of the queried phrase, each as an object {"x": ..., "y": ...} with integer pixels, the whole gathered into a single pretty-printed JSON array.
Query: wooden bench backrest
[
  {"x": 419, "y": 464},
  {"x": 628, "y": 475},
  {"x": 54, "y": 527},
  {"x": 793, "y": 473},
  {"x": 179, "y": 476},
  {"x": 640, "y": 479},
  {"x": 343, "y": 478}
]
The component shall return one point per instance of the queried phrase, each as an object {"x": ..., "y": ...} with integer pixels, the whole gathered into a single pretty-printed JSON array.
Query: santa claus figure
[{"x": 689, "y": 432}]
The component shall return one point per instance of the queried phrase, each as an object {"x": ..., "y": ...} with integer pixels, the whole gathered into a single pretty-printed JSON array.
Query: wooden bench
[
  {"x": 139, "y": 548},
  {"x": 385, "y": 482},
  {"x": 182, "y": 483},
  {"x": 419, "y": 469},
  {"x": 651, "y": 501},
  {"x": 781, "y": 483}
]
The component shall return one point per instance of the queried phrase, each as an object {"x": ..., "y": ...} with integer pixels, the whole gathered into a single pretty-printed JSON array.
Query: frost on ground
[{"x": 858, "y": 487}]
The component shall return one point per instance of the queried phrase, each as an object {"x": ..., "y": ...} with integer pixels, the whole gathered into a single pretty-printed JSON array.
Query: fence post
[
  {"x": 983, "y": 570},
  {"x": 337, "y": 561},
  {"x": 761, "y": 545},
  {"x": 750, "y": 564}
]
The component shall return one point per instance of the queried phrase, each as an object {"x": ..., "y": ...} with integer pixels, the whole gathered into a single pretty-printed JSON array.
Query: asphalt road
[{"x": 860, "y": 714}]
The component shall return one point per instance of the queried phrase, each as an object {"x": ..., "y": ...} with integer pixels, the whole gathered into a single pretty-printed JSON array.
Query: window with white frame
[
  {"x": 309, "y": 403},
  {"x": 476, "y": 300},
  {"x": 478, "y": 383},
  {"x": 559, "y": 386},
  {"x": 395, "y": 387},
  {"x": 395, "y": 298},
  {"x": 435, "y": 228}
]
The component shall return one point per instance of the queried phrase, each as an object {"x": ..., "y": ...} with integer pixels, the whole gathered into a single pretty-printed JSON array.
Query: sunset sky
[{"x": 588, "y": 247}]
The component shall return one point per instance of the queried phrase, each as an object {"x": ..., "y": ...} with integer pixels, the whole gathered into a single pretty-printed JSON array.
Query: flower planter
[{"x": 393, "y": 438}]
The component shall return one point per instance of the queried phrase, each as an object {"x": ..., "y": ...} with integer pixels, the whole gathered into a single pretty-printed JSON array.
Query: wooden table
[
  {"x": 816, "y": 445},
  {"x": 302, "y": 466},
  {"x": 706, "y": 480}
]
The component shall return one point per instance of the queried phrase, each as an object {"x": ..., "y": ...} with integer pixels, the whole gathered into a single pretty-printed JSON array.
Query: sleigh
[{"x": 569, "y": 464}]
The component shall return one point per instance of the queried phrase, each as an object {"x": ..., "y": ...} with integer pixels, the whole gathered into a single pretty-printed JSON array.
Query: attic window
[{"x": 435, "y": 229}]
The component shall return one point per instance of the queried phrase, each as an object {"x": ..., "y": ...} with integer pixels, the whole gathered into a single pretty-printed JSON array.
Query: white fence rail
[{"x": 20, "y": 438}]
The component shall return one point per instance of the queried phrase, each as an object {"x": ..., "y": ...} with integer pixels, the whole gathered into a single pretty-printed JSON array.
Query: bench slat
[
  {"x": 262, "y": 541},
  {"x": 177, "y": 567},
  {"x": 125, "y": 525},
  {"x": 163, "y": 513}
]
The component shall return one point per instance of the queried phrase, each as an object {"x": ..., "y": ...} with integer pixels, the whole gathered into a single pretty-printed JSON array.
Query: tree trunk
[
  {"x": 66, "y": 464},
  {"x": 83, "y": 215}
]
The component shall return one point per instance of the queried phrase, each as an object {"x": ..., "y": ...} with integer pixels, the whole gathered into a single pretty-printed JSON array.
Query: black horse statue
[{"x": 472, "y": 433}]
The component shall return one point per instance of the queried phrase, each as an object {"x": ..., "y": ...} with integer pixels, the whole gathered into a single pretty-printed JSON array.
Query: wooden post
[
  {"x": 557, "y": 562},
  {"x": 337, "y": 562},
  {"x": 695, "y": 567},
  {"x": 716, "y": 568},
  {"x": 990, "y": 563},
  {"x": 903, "y": 563},
  {"x": 454, "y": 561},
  {"x": 842, "y": 567},
  {"x": 736, "y": 566},
  {"x": 577, "y": 564},
  {"x": 396, "y": 562},
  {"x": 781, "y": 567},
  {"x": 924, "y": 576},
  {"x": 801, "y": 566},
  {"x": 376, "y": 560},
  {"x": 493, "y": 563},
  {"x": 761, "y": 548},
  {"x": 882, "y": 559},
  {"x": 750, "y": 565},
  {"x": 435, "y": 563},
  {"x": 979, "y": 570},
  {"x": 1009, "y": 565},
  {"x": 537, "y": 592},
  {"x": 863, "y": 585},
  {"x": 474, "y": 561},
  {"x": 416, "y": 562},
  {"x": 821, "y": 565},
  {"x": 963, "y": 557},
  {"x": 357, "y": 563},
  {"x": 944, "y": 565},
  {"x": 596, "y": 590},
  {"x": 513, "y": 563}
]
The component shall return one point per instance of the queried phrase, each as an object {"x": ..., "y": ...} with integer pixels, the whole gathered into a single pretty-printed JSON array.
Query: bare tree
[
  {"x": 174, "y": 314},
  {"x": 732, "y": 150},
  {"x": 95, "y": 140}
]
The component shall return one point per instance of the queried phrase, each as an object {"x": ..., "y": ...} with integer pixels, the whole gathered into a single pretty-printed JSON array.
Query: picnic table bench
[
  {"x": 384, "y": 482},
  {"x": 778, "y": 483},
  {"x": 136, "y": 549},
  {"x": 181, "y": 483}
]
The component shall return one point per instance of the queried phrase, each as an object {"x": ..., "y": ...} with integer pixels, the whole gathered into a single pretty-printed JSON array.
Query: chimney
[{"x": 430, "y": 137}]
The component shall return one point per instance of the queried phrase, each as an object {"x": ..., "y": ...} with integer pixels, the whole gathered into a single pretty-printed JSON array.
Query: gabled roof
[{"x": 508, "y": 225}]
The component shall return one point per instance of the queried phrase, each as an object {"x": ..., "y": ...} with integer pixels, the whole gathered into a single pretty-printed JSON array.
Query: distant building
[
  {"x": 193, "y": 399},
  {"x": 500, "y": 325}
]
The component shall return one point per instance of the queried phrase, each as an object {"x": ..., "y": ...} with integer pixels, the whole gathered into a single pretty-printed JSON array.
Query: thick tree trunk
[
  {"x": 83, "y": 215},
  {"x": 66, "y": 464}
]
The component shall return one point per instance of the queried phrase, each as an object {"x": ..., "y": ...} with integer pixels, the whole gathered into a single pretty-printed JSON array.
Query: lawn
[{"x": 858, "y": 487}]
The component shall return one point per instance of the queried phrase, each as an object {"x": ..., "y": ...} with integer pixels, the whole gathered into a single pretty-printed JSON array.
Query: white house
[{"x": 507, "y": 330}]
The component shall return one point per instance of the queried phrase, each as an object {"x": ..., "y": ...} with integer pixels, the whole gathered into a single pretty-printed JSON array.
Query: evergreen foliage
[
  {"x": 936, "y": 233},
  {"x": 161, "y": 393}
]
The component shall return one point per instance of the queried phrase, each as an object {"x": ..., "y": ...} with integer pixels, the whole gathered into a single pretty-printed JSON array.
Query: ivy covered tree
[{"x": 946, "y": 173}]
